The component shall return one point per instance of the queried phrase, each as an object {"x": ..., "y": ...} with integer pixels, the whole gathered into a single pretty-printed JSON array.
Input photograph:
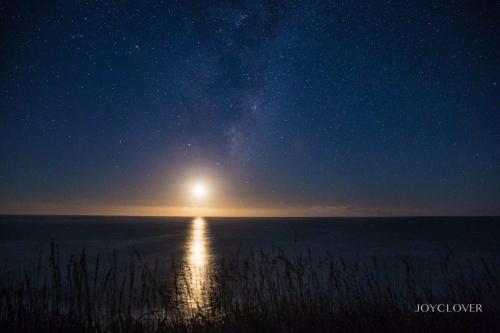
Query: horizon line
[{"x": 242, "y": 216}]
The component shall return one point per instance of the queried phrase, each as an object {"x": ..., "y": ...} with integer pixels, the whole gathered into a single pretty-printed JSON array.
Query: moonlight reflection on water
[{"x": 197, "y": 265}]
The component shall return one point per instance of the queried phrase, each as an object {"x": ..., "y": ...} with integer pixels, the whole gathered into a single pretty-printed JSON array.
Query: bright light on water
[{"x": 197, "y": 265}]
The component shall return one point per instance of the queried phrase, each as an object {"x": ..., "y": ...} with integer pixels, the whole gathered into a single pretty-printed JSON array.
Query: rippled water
[
  {"x": 200, "y": 240},
  {"x": 197, "y": 264}
]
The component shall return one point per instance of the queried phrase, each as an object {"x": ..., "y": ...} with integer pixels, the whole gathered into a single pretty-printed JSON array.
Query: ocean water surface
[
  {"x": 198, "y": 243},
  {"x": 24, "y": 238}
]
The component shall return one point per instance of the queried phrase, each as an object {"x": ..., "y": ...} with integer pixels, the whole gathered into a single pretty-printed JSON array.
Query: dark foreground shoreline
[{"x": 256, "y": 292}]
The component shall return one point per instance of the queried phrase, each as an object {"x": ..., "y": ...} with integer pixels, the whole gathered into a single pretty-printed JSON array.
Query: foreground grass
[{"x": 258, "y": 292}]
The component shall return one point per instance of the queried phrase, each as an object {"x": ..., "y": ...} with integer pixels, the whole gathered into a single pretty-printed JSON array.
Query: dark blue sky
[{"x": 362, "y": 107}]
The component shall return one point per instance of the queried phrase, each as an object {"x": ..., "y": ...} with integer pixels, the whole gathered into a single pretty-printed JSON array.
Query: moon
[{"x": 199, "y": 191}]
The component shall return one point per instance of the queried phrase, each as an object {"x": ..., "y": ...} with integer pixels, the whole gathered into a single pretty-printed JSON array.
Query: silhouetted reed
[{"x": 256, "y": 292}]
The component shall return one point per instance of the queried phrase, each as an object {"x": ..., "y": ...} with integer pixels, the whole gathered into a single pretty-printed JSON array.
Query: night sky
[{"x": 284, "y": 108}]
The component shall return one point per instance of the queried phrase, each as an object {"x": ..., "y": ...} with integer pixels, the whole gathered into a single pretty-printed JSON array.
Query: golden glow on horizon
[
  {"x": 190, "y": 210},
  {"x": 215, "y": 209}
]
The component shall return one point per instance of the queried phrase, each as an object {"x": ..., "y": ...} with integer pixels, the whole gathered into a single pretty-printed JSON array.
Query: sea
[{"x": 26, "y": 239}]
